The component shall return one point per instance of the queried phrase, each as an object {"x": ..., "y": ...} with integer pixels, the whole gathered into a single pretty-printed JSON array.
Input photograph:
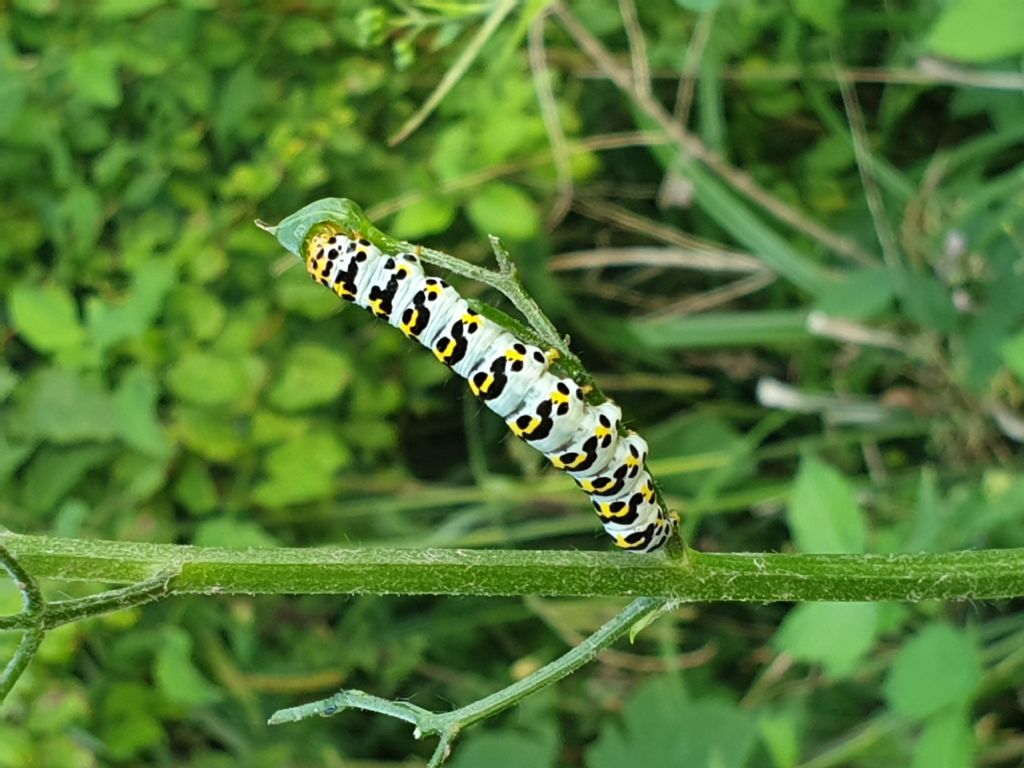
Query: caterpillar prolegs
[{"x": 510, "y": 376}]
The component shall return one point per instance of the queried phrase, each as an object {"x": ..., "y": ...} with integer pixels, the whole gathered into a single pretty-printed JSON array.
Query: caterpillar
[{"x": 512, "y": 377}]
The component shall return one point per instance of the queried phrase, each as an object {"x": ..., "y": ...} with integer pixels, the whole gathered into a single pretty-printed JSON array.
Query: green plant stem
[
  {"x": 33, "y": 611},
  {"x": 760, "y": 577},
  {"x": 448, "y": 725}
]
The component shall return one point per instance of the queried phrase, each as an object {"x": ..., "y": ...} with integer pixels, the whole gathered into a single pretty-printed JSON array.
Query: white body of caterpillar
[{"x": 510, "y": 376}]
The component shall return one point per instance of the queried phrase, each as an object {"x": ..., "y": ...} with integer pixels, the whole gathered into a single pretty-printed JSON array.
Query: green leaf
[
  {"x": 208, "y": 378},
  {"x": 978, "y": 30},
  {"x": 207, "y": 433},
  {"x": 136, "y": 398},
  {"x": 176, "y": 676},
  {"x": 301, "y": 470},
  {"x": 46, "y": 316},
  {"x": 13, "y": 89},
  {"x": 195, "y": 489},
  {"x": 504, "y": 211},
  {"x": 238, "y": 534},
  {"x": 699, "y": 6},
  {"x": 718, "y": 329},
  {"x": 661, "y": 728},
  {"x": 312, "y": 375},
  {"x": 65, "y": 407},
  {"x": 928, "y": 302},
  {"x": 295, "y": 292},
  {"x": 823, "y": 14},
  {"x": 823, "y": 514},
  {"x": 835, "y": 635},
  {"x": 505, "y": 749},
  {"x": 111, "y": 321},
  {"x": 303, "y": 35},
  {"x": 12, "y": 455},
  {"x": 94, "y": 76},
  {"x": 1013, "y": 355},
  {"x": 939, "y": 668},
  {"x": 861, "y": 293},
  {"x": 125, "y": 9},
  {"x": 8, "y": 381},
  {"x": 947, "y": 741},
  {"x": 129, "y": 722},
  {"x": 781, "y": 737},
  {"x": 424, "y": 217},
  {"x": 54, "y": 471}
]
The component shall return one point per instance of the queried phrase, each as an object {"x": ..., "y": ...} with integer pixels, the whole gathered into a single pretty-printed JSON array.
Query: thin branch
[
  {"x": 637, "y": 47},
  {"x": 688, "y": 76},
  {"x": 704, "y": 260},
  {"x": 929, "y": 72},
  {"x": 552, "y": 124},
  {"x": 872, "y": 193},
  {"x": 60, "y": 612}
]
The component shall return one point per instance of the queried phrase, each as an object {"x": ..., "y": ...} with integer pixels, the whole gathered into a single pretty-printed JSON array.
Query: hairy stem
[{"x": 983, "y": 574}]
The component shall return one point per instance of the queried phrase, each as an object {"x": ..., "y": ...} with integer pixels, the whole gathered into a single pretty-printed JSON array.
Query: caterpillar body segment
[
  {"x": 507, "y": 374},
  {"x": 510, "y": 376},
  {"x": 593, "y": 446}
]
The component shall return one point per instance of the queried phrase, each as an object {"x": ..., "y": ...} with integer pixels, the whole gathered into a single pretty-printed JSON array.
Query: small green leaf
[
  {"x": 780, "y": 734},
  {"x": 195, "y": 489},
  {"x": 65, "y": 407},
  {"x": 940, "y": 667},
  {"x": 861, "y": 293},
  {"x": 208, "y": 378},
  {"x": 823, "y": 514},
  {"x": 140, "y": 427},
  {"x": 661, "y": 728},
  {"x": 128, "y": 720},
  {"x": 1013, "y": 354},
  {"x": 94, "y": 76},
  {"x": 238, "y": 534},
  {"x": 55, "y": 470},
  {"x": 111, "y": 321},
  {"x": 928, "y": 302},
  {"x": 505, "y": 211},
  {"x": 303, "y": 35},
  {"x": 424, "y": 217},
  {"x": 835, "y": 635},
  {"x": 699, "y": 6},
  {"x": 125, "y": 9},
  {"x": 295, "y": 292},
  {"x": 978, "y": 30},
  {"x": 301, "y": 470},
  {"x": 312, "y": 375},
  {"x": 823, "y": 14},
  {"x": 505, "y": 749},
  {"x": 947, "y": 741},
  {"x": 46, "y": 316},
  {"x": 208, "y": 434},
  {"x": 176, "y": 676}
]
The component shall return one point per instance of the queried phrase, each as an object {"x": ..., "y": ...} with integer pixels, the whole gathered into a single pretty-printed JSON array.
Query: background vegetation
[{"x": 811, "y": 306}]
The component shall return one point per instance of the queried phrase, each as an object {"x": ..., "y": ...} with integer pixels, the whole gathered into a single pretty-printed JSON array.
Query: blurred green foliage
[{"x": 166, "y": 377}]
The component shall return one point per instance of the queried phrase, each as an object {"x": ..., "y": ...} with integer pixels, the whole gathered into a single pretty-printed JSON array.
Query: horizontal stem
[{"x": 982, "y": 574}]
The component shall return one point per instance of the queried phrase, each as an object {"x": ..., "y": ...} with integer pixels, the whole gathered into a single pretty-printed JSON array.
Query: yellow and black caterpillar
[{"x": 512, "y": 377}]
